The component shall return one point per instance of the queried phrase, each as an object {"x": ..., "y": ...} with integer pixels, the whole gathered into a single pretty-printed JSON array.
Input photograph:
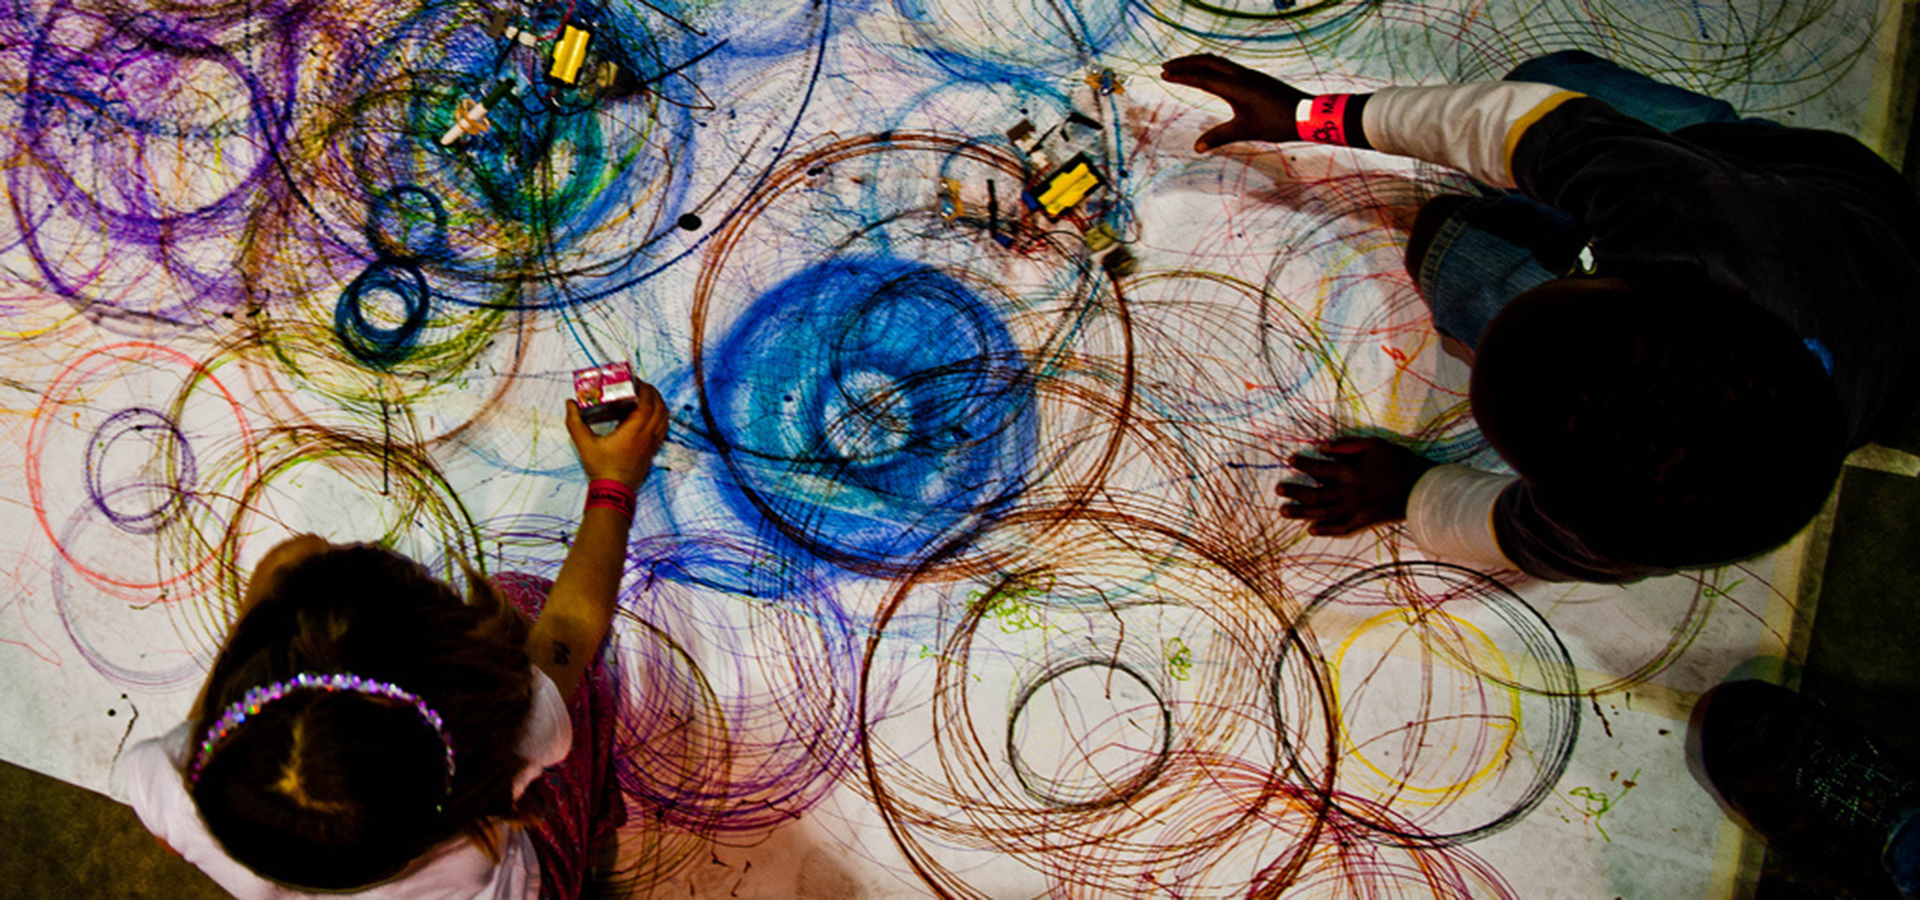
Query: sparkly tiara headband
[{"x": 257, "y": 699}]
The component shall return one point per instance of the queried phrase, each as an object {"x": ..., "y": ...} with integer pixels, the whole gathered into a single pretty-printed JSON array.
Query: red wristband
[
  {"x": 1323, "y": 119},
  {"x": 609, "y": 494}
]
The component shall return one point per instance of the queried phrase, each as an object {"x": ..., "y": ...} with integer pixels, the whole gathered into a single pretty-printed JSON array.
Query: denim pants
[{"x": 1499, "y": 245}]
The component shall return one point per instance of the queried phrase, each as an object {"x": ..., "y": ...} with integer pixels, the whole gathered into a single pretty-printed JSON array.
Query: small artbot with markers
[{"x": 606, "y": 394}]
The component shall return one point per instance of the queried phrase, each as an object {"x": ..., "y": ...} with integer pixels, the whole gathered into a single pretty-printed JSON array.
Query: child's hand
[
  {"x": 625, "y": 454},
  {"x": 1263, "y": 106},
  {"x": 1367, "y": 482}
]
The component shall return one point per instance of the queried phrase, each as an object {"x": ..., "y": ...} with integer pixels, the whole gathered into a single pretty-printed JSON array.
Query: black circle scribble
[
  {"x": 1104, "y": 789},
  {"x": 1476, "y": 740}
]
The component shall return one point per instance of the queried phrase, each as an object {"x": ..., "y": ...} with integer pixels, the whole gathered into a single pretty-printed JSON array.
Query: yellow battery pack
[
  {"x": 1067, "y": 188},
  {"x": 569, "y": 54}
]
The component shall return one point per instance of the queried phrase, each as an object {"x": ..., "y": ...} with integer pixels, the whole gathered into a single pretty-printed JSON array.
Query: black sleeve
[
  {"x": 1628, "y": 183},
  {"x": 1542, "y": 548},
  {"x": 1812, "y": 224}
]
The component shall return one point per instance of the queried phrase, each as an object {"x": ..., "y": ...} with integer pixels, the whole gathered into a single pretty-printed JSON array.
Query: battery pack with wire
[{"x": 1065, "y": 188}]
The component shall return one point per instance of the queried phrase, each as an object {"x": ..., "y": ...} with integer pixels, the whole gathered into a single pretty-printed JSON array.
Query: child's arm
[
  {"x": 1473, "y": 127},
  {"x": 579, "y": 609}
]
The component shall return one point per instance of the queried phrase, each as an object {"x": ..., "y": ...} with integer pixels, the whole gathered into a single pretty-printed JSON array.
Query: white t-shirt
[{"x": 152, "y": 771}]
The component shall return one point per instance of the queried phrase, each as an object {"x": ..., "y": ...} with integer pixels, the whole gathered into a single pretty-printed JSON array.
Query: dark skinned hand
[
  {"x": 1263, "y": 106},
  {"x": 1365, "y": 482}
]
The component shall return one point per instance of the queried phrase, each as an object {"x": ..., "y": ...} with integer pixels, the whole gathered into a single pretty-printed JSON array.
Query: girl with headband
[{"x": 366, "y": 729}]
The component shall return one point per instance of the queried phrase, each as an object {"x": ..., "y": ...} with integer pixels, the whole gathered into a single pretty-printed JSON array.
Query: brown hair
[{"x": 337, "y": 790}]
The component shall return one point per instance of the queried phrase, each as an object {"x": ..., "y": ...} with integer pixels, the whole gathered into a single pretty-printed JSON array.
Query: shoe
[{"x": 1810, "y": 783}]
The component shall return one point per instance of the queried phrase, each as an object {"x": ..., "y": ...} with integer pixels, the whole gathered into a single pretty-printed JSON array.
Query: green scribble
[
  {"x": 1598, "y": 804},
  {"x": 1011, "y": 609},
  {"x": 1179, "y": 659},
  {"x": 926, "y": 652},
  {"x": 1015, "y": 616},
  {"x": 1713, "y": 591}
]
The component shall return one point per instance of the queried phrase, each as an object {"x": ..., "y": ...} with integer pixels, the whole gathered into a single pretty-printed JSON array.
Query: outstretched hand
[
  {"x": 1365, "y": 482},
  {"x": 1263, "y": 106},
  {"x": 626, "y": 453}
]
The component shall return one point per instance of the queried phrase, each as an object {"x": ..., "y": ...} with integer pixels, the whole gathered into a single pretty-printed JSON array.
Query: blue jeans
[{"x": 1498, "y": 246}]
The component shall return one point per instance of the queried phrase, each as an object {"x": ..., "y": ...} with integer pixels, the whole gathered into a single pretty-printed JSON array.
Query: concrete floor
[
  {"x": 64, "y": 841},
  {"x": 1861, "y": 652}
]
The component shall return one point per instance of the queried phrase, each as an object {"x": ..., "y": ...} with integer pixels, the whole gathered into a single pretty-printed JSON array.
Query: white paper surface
[{"x": 963, "y": 572}]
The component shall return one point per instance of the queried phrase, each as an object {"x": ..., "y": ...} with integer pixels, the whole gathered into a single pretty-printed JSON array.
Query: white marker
[{"x": 472, "y": 117}]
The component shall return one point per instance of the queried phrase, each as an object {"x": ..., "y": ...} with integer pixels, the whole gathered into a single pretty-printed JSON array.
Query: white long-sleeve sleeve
[
  {"x": 1472, "y": 127},
  {"x": 1450, "y": 515}
]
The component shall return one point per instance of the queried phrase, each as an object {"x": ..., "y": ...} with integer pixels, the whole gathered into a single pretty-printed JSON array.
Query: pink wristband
[
  {"x": 609, "y": 494},
  {"x": 1323, "y": 119}
]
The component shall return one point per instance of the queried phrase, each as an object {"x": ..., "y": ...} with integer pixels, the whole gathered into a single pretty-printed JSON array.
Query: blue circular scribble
[
  {"x": 385, "y": 283},
  {"x": 874, "y": 410},
  {"x": 408, "y": 222}
]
